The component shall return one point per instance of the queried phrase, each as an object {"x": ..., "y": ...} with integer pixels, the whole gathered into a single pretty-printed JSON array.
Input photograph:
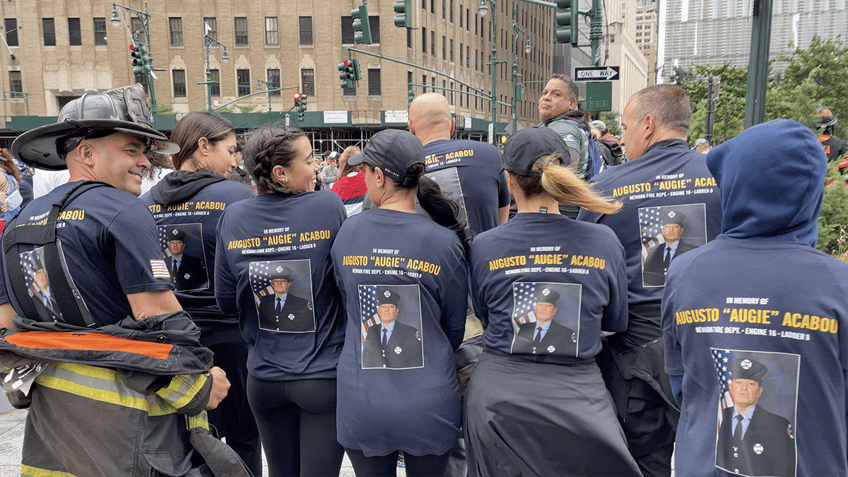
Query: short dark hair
[
  {"x": 668, "y": 103},
  {"x": 573, "y": 92}
]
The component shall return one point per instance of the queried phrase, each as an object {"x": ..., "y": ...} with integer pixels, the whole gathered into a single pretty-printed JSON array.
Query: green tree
[
  {"x": 610, "y": 118},
  {"x": 729, "y": 107},
  {"x": 833, "y": 221}
]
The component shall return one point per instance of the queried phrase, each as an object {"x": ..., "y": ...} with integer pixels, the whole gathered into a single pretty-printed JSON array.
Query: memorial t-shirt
[
  {"x": 197, "y": 217},
  {"x": 539, "y": 258},
  {"x": 471, "y": 173},
  {"x": 401, "y": 393},
  {"x": 265, "y": 241}
]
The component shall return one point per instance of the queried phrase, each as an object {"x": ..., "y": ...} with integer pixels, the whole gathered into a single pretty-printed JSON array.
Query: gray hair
[{"x": 669, "y": 105}]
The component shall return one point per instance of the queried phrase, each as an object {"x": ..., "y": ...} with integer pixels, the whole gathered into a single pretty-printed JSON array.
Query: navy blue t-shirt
[
  {"x": 784, "y": 306},
  {"x": 196, "y": 220},
  {"x": 107, "y": 240},
  {"x": 471, "y": 173},
  {"x": 397, "y": 389},
  {"x": 669, "y": 184},
  {"x": 551, "y": 272},
  {"x": 278, "y": 246}
]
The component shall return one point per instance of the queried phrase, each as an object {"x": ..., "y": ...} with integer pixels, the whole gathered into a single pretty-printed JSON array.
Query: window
[
  {"x": 215, "y": 87},
  {"x": 272, "y": 32},
  {"x": 305, "y": 30},
  {"x": 444, "y": 48},
  {"x": 11, "y": 25},
  {"x": 241, "y": 30},
  {"x": 347, "y": 29},
  {"x": 409, "y": 37},
  {"x": 424, "y": 39},
  {"x": 451, "y": 50},
  {"x": 100, "y": 31},
  {"x": 210, "y": 27},
  {"x": 444, "y": 8},
  {"x": 468, "y": 56},
  {"x": 451, "y": 11},
  {"x": 179, "y": 80},
  {"x": 374, "y": 86},
  {"x": 460, "y": 16},
  {"x": 175, "y": 26},
  {"x": 460, "y": 54},
  {"x": 273, "y": 79},
  {"x": 423, "y": 84},
  {"x": 74, "y": 35},
  {"x": 307, "y": 82},
  {"x": 142, "y": 79},
  {"x": 49, "y": 29},
  {"x": 243, "y": 82},
  {"x": 16, "y": 84},
  {"x": 433, "y": 43},
  {"x": 137, "y": 29}
]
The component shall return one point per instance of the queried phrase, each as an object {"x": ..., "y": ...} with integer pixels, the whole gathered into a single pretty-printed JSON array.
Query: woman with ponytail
[
  {"x": 273, "y": 268},
  {"x": 546, "y": 287},
  {"x": 403, "y": 279}
]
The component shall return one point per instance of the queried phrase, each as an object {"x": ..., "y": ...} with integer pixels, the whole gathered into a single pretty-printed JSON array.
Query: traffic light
[
  {"x": 566, "y": 21},
  {"x": 137, "y": 59},
  {"x": 411, "y": 95},
  {"x": 361, "y": 26},
  {"x": 347, "y": 74},
  {"x": 296, "y": 96},
  {"x": 301, "y": 109},
  {"x": 403, "y": 9}
]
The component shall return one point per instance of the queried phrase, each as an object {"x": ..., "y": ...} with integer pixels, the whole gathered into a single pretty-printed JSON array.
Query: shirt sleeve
[
  {"x": 225, "y": 281},
  {"x": 673, "y": 355},
  {"x": 138, "y": 257},
  {"x": 615, "y": 313}
]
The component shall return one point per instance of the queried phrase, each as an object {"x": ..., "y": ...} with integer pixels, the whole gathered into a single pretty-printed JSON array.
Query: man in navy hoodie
[{"x": 762, "y": 267}]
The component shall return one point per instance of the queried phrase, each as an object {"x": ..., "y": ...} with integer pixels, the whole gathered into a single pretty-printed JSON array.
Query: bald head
[{"x": 430, "y": 117}]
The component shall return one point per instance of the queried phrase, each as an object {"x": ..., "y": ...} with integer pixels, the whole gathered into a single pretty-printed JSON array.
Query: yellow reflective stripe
[
  {"x": 200, "y": 420},
  {"x": 182, "y": 389},
  {"x": 100, "y": 384},
  {"x": 29, "y": 471}
]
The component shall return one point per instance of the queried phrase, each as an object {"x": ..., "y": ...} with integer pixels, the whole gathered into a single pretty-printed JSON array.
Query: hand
[{"x": 220, "y": 386}]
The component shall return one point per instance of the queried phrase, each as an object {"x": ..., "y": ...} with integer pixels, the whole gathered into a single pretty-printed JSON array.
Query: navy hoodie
[{"x": 761, "y": 293}]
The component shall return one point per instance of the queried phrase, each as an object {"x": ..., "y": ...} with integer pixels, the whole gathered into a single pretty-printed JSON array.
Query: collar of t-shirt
[
  {"x": 746, "y": 419},
  {"x": 668, "y": 143}
]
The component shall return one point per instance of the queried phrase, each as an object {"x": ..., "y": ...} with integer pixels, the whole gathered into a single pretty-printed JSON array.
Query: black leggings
[
  {"x": 297, "y": 424},
  {"x": 386, "y": 465}
]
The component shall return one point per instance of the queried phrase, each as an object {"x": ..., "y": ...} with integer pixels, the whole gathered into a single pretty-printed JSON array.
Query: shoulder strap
[{"x": 45, "y": 235}]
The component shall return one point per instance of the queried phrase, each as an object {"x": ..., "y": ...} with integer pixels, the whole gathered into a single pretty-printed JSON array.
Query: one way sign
[{"x": 596, "y": 73}]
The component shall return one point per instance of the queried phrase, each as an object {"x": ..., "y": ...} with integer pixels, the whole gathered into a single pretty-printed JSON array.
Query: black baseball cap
[
  {"x": 525, "y": 147},
  {"x": 393, "y": 151}
]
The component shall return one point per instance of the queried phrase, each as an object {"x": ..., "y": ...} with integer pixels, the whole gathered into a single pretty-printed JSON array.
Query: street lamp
[
  {"x": 267, "y": 87},
  {"x": 483, "y": 10},
  {"x": 517, "y": 88},
  {"x": 144, "y": 18},
  {"x": 209, "y": 41}
]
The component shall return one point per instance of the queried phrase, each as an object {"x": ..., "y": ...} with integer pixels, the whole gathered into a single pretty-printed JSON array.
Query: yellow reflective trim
[
  {"x": 185, "y": 395},
  {"x": 200, "y": 420},
  {"x": 29, "y": 471},
  {"x": 100, "y": 384}
]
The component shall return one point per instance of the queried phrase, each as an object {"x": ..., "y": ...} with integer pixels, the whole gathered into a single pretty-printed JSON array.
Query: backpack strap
[{"x": 44, "y": 235}]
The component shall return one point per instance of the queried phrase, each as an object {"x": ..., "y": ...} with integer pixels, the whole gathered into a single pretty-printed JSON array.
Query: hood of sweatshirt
[
  {"x": 180, "y": 186},
  {"x": 771, "y": 180}
]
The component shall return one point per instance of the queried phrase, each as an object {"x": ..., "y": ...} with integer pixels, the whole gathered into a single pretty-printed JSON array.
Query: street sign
[
  {"x": 599, "y": 96},
  {"x": 596, "y": 73}
]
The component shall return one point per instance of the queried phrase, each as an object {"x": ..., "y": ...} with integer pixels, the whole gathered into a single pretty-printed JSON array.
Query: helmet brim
[{"x": 38, "y": 147}]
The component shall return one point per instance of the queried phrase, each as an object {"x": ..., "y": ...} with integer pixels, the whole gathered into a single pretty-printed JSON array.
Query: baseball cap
[
  {"x": 525, "y": 147},
  {"x": 393, "y": 151}
]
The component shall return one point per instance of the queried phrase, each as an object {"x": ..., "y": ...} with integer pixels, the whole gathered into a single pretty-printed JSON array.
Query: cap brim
[
  {"x": 37, "y": 147},
  {"x": 356, "y": 159}
]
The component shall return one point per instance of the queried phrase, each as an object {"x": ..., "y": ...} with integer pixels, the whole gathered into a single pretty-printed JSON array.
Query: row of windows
[
  {"x": 244, "y": 85},
  {"x": 48, "y": 27}
]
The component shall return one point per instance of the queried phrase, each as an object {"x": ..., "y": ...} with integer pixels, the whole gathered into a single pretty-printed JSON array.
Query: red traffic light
[
  {"x": 347, "y": 62},
  {"x": 133, "y": 48},
  {"x": 296, "y": 96}
]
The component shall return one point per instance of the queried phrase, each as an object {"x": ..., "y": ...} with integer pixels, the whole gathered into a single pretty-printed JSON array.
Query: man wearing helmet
[
  {"x": 103, "y": 377},
  {"x": 833, "y": 146}
]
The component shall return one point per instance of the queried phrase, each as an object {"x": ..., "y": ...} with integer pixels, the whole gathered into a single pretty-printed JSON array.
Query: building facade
[
  {"x": 717, "y": 31},
  {"x": 58, "y": 49}
]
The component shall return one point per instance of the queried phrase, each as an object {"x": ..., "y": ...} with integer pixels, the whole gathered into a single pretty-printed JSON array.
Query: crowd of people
[{"x": 632, "y": 293}]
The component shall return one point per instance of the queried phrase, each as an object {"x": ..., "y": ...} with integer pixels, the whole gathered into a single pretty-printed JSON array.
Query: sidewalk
[{"x": 12, "y": 437}]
